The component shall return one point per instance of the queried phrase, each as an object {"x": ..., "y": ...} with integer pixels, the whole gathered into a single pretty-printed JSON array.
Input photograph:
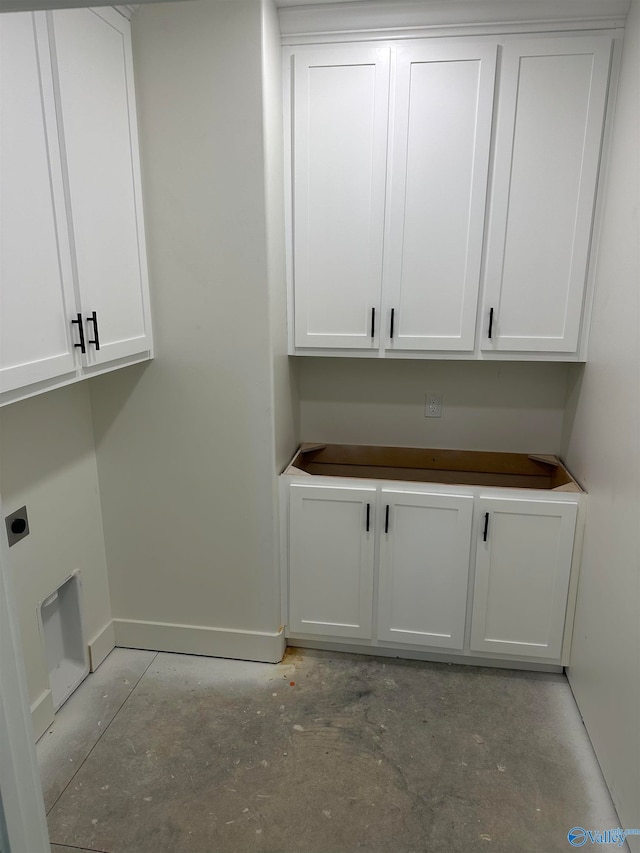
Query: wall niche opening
[{"x": 64, "y": 642}]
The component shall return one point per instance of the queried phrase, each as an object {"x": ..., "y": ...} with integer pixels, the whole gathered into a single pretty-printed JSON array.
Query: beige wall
[
  {"x": 511, "y": 406},
  {"x": 185, "y": 445},
  {"x": 602, "y": 436},
  {"x": 47, "y": 462}
]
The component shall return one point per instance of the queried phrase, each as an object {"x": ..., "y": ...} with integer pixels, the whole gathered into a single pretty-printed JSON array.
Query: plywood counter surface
[{"x": 424, "y": 465}]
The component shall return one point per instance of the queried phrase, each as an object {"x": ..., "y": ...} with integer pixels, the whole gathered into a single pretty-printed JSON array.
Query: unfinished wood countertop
[{"x": 426, "y": 465}]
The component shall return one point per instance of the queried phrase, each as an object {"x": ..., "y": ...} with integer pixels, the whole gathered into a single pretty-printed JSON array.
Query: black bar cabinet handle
[
  {"x": 78, "y": 322},
  {"x": 386, "y": 519},
  {"x": 486, "y": 526},
  {"x": 368, "y": 516},
  {"x": 490, "y": 322},
  {"x": 393, "y": 311},
  {"x": 96, "y": 339},
  {"x": 373, "y": 322}
]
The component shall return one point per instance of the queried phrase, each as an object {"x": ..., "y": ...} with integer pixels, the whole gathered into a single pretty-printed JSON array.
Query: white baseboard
[
  {"x": 418, "y": 654},
  {"x": 100, "y": 646},
  {"x": 42, "y": 713},
  {"x": 197, "y": 640}
]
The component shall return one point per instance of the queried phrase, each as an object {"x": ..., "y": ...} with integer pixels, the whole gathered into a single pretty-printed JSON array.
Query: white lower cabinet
[
  {"x": 331, "y": 551},
  {"x": 394, "y": 567},
  {"x": 424, "y": 568},
  {"x": 522, "y": 576}
]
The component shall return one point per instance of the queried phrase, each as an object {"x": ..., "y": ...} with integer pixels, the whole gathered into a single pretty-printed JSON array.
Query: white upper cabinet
[
  {"x": 340, "y": 113},
  {"x": 98, "y": 124},
  {"x": 36, "y": 284},
  {"x": 443, "y": 194},
  {"x": 73, "y": 278},
  {"x": 549, "y": 130},
  {"x": 437, "y": 192}
]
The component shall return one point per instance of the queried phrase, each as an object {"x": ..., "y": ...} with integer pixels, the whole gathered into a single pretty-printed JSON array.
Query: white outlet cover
[{"x": 433, "y": 406}]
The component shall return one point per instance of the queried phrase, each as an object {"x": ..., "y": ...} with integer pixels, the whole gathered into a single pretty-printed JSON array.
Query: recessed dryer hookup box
[{"x": 64, "y": 645}]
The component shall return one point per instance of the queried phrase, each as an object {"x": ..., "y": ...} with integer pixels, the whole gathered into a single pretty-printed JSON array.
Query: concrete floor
[{"x": 324, "y": 753}]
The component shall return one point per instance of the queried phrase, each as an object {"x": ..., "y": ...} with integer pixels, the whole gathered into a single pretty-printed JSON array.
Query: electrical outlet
[{"x": 433, "y": 406}]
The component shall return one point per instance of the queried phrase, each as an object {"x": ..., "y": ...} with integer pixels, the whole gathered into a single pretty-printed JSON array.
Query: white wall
[
  {"x": 512, "y": 406},
  {"x": 286, "y": 408},
  {"x": 602, "y": 436},
  {"x": 47, "y": 461},
  {"x": 285, "y": 401},
  {"x": 23, "y": 823},
  {"x": 185, "y": 445}
]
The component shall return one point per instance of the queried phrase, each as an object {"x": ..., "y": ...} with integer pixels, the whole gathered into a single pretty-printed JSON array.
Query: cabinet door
[
  {"x": 441, "y": 138},
  {"x": 36, "y": 285},
  {"x": 424, "y": 568},
  {"x": 340, "y": 111},
  {"x": 331, "y": 560},
  {"x": 522, "y": 576},
  {"x": 97, "y": 107},
  {"x": 549, "y": 130}
]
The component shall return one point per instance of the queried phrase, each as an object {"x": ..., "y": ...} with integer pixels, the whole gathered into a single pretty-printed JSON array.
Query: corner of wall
[
  {"x": 286, "y": 402},
  {"x": 575, "y": 376}
]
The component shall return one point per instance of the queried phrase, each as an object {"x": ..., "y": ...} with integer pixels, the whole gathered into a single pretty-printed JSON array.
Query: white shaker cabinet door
[
  {"x": 522, "y": 576},
  {"x": 548, "y": 136},
  {"x": 340, "y": 114},
  {"x": 424, "y": 568},
  {"x": 438, "y": 185},
  {"x": 36, "y": 287},
  {"x": 331, "y": 551},
  {"x": 97, "y": 107}
]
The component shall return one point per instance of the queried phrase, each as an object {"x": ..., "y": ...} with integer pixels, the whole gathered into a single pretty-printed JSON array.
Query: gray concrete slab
[
  {"x": 57, "y": 848},
  {"x": 329, "y": 752},
  {"x": 84, "y": 717}
]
